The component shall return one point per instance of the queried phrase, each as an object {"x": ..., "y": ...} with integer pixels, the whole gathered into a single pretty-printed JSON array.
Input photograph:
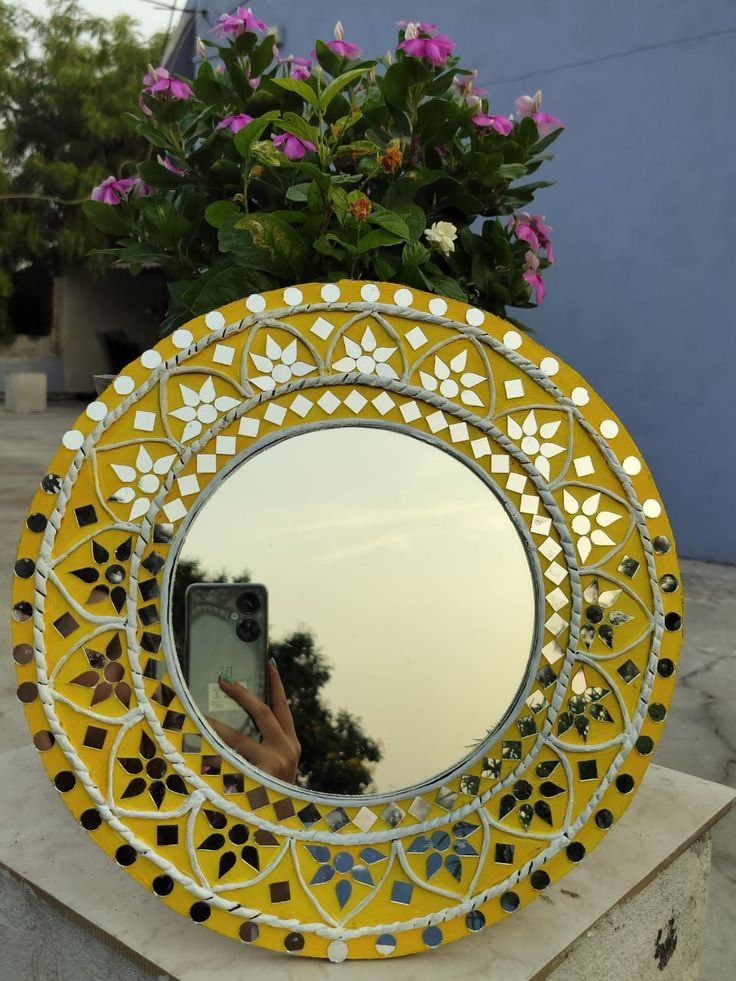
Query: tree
[
  {"x": 337, "y": 755},
  {"x": 68, "y": 83}
]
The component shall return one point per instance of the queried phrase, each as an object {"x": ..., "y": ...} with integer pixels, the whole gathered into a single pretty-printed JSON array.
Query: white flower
[
  {"x": 448, "y": 386},
  {"x": 201, "y": 408},
  {"x": 582, "y": 524},
  {"x": 279, "y": 366},
  {"x": 442, "y": 235},
  {"x": 146, "y": 478},
  {"x": 366, "y": 357},
  {"x": 529, "y": 433}
]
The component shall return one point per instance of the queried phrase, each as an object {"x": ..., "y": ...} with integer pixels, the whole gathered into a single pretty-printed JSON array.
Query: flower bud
[
  {"x": 201, "y": 49},
  {"x": 339, "y": 31}
]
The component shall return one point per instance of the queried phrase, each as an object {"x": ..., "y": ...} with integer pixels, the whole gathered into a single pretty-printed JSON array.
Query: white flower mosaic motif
[
  {"x": 535, "y": 440},
  {"x": 366, "y": 357},
  {"x": 279, "y": 365},
  {"x": 201, "y": 408},
  {"x": 586, "y": 517},
  {"x": 463, "y": 383},
  {"x": 140, "y": 482}
]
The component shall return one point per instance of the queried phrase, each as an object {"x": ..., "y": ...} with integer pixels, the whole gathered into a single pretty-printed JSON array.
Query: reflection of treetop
[{"x": 337, "y": 755}]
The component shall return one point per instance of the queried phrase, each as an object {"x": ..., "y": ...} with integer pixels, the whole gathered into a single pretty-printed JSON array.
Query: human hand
[{"x": 278, "y": 753}]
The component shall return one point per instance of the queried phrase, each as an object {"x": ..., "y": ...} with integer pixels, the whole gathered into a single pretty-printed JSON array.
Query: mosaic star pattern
[{"x": 221, "y": 843}]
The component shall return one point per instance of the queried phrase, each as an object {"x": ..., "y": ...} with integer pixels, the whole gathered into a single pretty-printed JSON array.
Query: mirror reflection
[{"x": 353, "y": 610}]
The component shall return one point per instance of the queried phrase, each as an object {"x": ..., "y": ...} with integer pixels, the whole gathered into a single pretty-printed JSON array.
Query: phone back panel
[{"x": 214, "y": 648}]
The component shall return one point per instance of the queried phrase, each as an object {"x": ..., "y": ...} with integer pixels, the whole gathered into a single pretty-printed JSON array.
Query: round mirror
[{"x": 384, "y": 578}]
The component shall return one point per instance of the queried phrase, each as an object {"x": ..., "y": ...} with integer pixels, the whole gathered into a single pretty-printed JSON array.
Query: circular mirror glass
[{"x": 389, "y": 585}]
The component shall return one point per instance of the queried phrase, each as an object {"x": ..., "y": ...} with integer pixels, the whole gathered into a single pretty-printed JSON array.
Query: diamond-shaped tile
[
  {"x": 416, "y": 337},
  {"x": 206, "y": 463},
  {"x": 437, "y": 422},
  {"x": 223, "y": 354},
  {"x": 459, "y": 432},
  {"x": 275, "y": 413},
  {"x": 225, "y": 445},
  {"x": 556, "y": 573},
  {"x": 188, "y": 484},
  {"x": 557, "y": 599},
  {"x": 583, "y": 466},
  {"x": 249, "y": 427},
  {"x": 175, "y": 510},
  {"x": 480, "y": 447},
  {"x": 365, "y": 819},
  {"x": 145, "y": 421},
  {"x": 550, "y": 549},
  {"x": 500, "y": 463},
  {"x": 420, "y": 808},
  {"x": 514, "y": 388},
  {"x": 383, "y": 403},
  {"x": 322, "y": 328},
  {"x": 355, "y": 402},
  {"x": 516, "y": 483},
  {"x": 301, "y": 405},
  {"x": 529, "y": 504},
  {"x": 328, "y": 402},
  {"x": 410, "y": 411}
]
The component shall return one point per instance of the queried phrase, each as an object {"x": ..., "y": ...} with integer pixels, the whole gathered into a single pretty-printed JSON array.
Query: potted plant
[{"x": 267, "y": 170}]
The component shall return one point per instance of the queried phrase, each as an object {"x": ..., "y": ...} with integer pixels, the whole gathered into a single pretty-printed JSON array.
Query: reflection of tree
[
  {"x": 337, "y": 756},
  {"x": 336, "y": 753}
]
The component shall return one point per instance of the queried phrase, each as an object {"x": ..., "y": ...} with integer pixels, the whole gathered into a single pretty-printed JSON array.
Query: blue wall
[{"x": 641, "y": 300}]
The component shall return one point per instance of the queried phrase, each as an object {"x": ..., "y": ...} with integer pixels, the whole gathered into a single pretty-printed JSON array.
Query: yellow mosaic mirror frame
[{"x": 272, "y": 864}]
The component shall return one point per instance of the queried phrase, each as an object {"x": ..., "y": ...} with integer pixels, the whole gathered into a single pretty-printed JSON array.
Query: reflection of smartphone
[{"x": 227, "y": 633}]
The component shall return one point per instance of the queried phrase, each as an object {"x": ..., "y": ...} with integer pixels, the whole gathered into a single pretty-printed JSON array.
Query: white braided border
[{"x": 628, "y": 737}]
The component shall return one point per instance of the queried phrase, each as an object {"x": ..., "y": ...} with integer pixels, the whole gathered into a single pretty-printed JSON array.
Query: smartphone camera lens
[
  {"x": 248, "y": 602},
  {"x": 248, "y": 630}
]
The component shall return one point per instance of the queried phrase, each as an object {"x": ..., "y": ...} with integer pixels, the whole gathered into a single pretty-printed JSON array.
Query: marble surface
[
  {"x": 42, "y": 846},
  {"x": 700, "y": 736}
]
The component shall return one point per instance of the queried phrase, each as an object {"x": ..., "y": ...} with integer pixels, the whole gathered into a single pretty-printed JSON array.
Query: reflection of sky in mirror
[{"x": 404, "y": 566}]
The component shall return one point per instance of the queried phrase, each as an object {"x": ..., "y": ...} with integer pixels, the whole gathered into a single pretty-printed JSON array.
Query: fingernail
[
  {"x": 227, "y": 677},
  {"x": 273, "y": 662}
]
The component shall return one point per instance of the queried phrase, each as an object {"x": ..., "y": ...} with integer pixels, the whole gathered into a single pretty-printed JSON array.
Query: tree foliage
[{"x": 68, "y": 83}]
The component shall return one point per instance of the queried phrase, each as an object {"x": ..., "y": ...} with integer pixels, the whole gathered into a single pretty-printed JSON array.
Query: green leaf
[
  {"x": 245, "y": 137},
  {"x": 390, "y": 221},
  {"x": 327, "y": 58},
  {"x": 266, "y": 243},
  {"x": 153, "y": 135},
  {"x": 339, "y": 199},
  {"x": 512, "y": 171},
  {"x": 377, "y": 239},
  {"x": 298, "y": 126},
  {"x": 157, "y": 176},
  {"x": 300, "y": 88},
  {"x": 415, "y": 254},
  {"x": 414, "y": 217},
  {"x": 315, "y": 200},
  {"x": 219, "y": 212},
  {"x": 262, "y": 56},
  {"x": 106, "y": 218},
  {"x": 545, "y": 141},
  {"x": 338, "y": 84},
  {"x": 396, "y": 85},
  {"x": 298, "y": 192}
]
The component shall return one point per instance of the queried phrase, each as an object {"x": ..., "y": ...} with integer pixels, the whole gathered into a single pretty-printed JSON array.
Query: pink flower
[
  {"x": 170, "y": 165},
  {"x": 293, "y": 147},
  {"x": 533, "y": 276},
  {"x": 500, "y": 124},
  {"x": 158, "y": 82},
  {"x": 113, "y": 191},
  {"x": 235, "y": 123},
  {"x": 342, "y": 47},
  {"x": 467, "y": 89},
  {"x": 526, "y": 105},
  {"x": 300, "y": 67},
  {"x": 532, "y": 229},
  {"x": 436, "y": 50},
  {"x": 233, "y": 25}
]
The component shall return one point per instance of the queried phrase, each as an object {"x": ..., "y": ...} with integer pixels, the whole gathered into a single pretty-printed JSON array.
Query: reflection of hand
[{"x": 278, "y": 753}]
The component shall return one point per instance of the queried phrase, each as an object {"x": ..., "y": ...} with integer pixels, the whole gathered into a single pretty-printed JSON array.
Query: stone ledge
[{"x": 43, "y": 848}]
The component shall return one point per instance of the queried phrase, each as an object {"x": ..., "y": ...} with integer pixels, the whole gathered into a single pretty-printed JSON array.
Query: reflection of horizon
[{"x": 420, "y": 601}]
